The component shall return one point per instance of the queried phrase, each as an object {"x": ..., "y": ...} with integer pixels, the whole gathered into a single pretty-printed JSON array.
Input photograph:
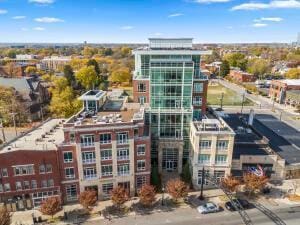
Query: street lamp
[
  {"x": 162, "y": 196},
  {"x": 201, "y": 197},
  {"x": 243, "y": 103},
  {"x": 221, "y": 100}
]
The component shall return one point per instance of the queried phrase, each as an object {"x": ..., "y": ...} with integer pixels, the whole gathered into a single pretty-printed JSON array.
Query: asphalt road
[{"x": 290, "y": 215}]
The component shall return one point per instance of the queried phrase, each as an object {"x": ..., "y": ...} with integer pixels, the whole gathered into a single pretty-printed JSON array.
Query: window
[
  {"x": 123, "y": 169},
  {"x": 4, "y": 172},
  {"x": 7, "y": 187},
  {"x": 88, "y": 157},
  {"x": 219, "y": 175},
  {"x": 106, "y": 154},
  {"x": 140, "y": 182},
  {"x": 42, "y": 168},
  {"x": 18, "y": 186},
  {"x": 204, "y": 158},
  {"x": 221, "y": 159},
  {"x": 205, "y": 144},
  {"x": 105, "y": 138},
  {"x": 33, "y": 184},
  {"x": 106, "y": 170},
  {"x": 44, "y": 184},
  {"x": 23, "y": 170},
  {"x": 51, "y": 183},
  {"x": 141, "y": 87},
  {"x": 1, "y": 188},
  {"x": 71, "y": 192},
  {"x": 68, "y": 157},
  {"x": 107, "y": 188},
  {"x": 141, "y": 150},
  {"x": 89, "y": 173},
  {"x": 87, "y": 140},
  {"x": 141, "y": 165},
  {"x": 122, "y": 138},
  {"x": 197, "y": 100},
  {"x": 26, "y": 185},
  {"x": 123, "y": 154},
  {"x": 72, "y": 137},
  {"x": 48, "y": 168},
  {"x": 198, "y": 87},
  {"x": 222, "y": 145},
  {"x": 206, "y": 172},
  {"x": 69, "y": 173},
  {"x": 142, "y": 100}
]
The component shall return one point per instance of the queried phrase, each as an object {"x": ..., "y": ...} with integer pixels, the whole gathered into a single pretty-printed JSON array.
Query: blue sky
[{"x": 131, "y": 21}]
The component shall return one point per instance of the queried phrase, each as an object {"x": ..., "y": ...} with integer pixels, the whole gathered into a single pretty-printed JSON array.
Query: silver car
[{"x": 209, "y": 207}]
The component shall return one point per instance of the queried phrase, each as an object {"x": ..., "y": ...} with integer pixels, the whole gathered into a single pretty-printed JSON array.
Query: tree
[
  {"x": 5, "y": 216},
  {"x": 224, "y": 69},
  {"x": 87, "y": 76},
  {"x": 147, "y": 195},
  {"x": 186, "y": 174},
  {"x": 63, "y": 102},
  {"x": 155, "y": 178},
  {"x": 177, "y": 189},
  {"x": 69, "y": 74},
  {"x": 235, "y": 59},
  {"x": 259, "y": 67},
  {"x": 120, "y": 75},
  {"x": 11, "y": 54},
  {"x": 212, "y": 58},
  {"x": 119, "y": 196},
  {"x": 253, "y": 182},
  {"x": 30, "y": 70},
  {"x": 88, "y": 199},
  {"x": 293, "y": 73},
  {"x": 231, "y": 183},
  {"x": 93, "y": 62},
  {"x": 51, "y": 206}
]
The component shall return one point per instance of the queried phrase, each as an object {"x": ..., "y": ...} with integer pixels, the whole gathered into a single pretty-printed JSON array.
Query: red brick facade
[
  {"x": 139, "y": 92},
  {"x": 241, "y": 77}
]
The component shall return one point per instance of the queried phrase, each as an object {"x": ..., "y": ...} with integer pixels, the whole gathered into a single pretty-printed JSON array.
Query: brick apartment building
[
  {"x": 282, "y": 89},
  {"x": 29, "y": 168},
  {"x": 241, "y": 77}
]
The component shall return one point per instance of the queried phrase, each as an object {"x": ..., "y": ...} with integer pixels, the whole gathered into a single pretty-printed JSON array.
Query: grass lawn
[{"x": 230, "y": 97}]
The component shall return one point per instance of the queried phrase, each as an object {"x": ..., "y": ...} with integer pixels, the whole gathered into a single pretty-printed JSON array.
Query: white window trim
[
  {"x": 137, "y": 149},
  {"x": 69, "y": 160},
  {"x": 69, "y": 176},
  {"x": 140, "y": 168}
]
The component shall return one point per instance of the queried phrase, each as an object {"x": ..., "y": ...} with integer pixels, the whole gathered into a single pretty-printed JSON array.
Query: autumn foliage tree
[
  {"x": 51, "y": 206},
  {"x": 119, "y": 196},
  {"x": 231, "y": 183},
  {"x": 253, "y": 182},
  {"x": 88, "y": 198},
  {"x": 147, "y": 195},
  {"x": 177, "y": 189},
  {"x": 5, "y": 216}
]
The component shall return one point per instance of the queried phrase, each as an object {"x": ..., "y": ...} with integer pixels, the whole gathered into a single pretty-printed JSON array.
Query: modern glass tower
[{"x": 168, "y": 81}]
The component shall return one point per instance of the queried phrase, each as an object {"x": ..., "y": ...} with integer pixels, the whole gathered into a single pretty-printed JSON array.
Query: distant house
[
  {"x": 54, "y": 63},
  {"x": 241, "y": 77},
  {"x": 32, "y": 91}
]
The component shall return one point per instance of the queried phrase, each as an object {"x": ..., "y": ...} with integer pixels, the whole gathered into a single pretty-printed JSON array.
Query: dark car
[{"x": 244, "y": 203}]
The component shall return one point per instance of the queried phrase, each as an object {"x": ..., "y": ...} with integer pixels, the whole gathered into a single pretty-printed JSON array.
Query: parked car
[
  {"x": 208, "y": 207},
  {"x": 244, "y": 203}
]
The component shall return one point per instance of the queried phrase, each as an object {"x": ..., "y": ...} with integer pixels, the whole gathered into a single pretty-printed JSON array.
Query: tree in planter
[
  {"x": 224, "y": 69},
  {"x": 253, "y": 182},
  {"x": 88, "y": 198},
  {"x": 155, "y": 178},
  {"x": 51, "y": 206},
  {"x": 231, "y": 183},
  {"x": 147, "y": 195},
  {"x": 186, "y": 174},
  {"x": 119, "y": 196},
  {"x": 177, "y": 189},
  {"x": 5, "y": 216}
]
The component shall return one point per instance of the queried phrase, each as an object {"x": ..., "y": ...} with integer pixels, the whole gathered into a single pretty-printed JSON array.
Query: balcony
[
  {"x": 89, "y": 161},
  {"x": 90, "y": 177},
  {"x": 124, "y": 173},
  {"x": 123, "y": 157}
]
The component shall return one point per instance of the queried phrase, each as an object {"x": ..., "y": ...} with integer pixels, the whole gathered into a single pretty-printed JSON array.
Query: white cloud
[
  {"x": 272, "y": 19},
  {"x": 18, "y": 17},
  {"x": 24, "y": 29},
  {"x": 3, "y": 11},
  {"x": 127, "y": 28},
  {"x": 44, "y": 2},
  {"x": 157, "y": 34},
  {"x": 229, "y": 27},
  {"x": 175, "y": 15},
  {"x": 211, "y": 1},
  {"x": 48, "y": 20},
  {"x": 259, "y": 25},
  {"x": 275, "y": 4},
  {"x": 39, "y": 28}
]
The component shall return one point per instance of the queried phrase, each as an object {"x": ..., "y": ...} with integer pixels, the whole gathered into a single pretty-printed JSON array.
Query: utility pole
[
  {"x": 280, "y": 115},
  {"x": 243, "y": 103},
  {"x": 2, "y": 128},
  {"x": 201, "y": 197},
  {"x": 14, "y": 121},
  {"x": 221, "y": 100}
]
